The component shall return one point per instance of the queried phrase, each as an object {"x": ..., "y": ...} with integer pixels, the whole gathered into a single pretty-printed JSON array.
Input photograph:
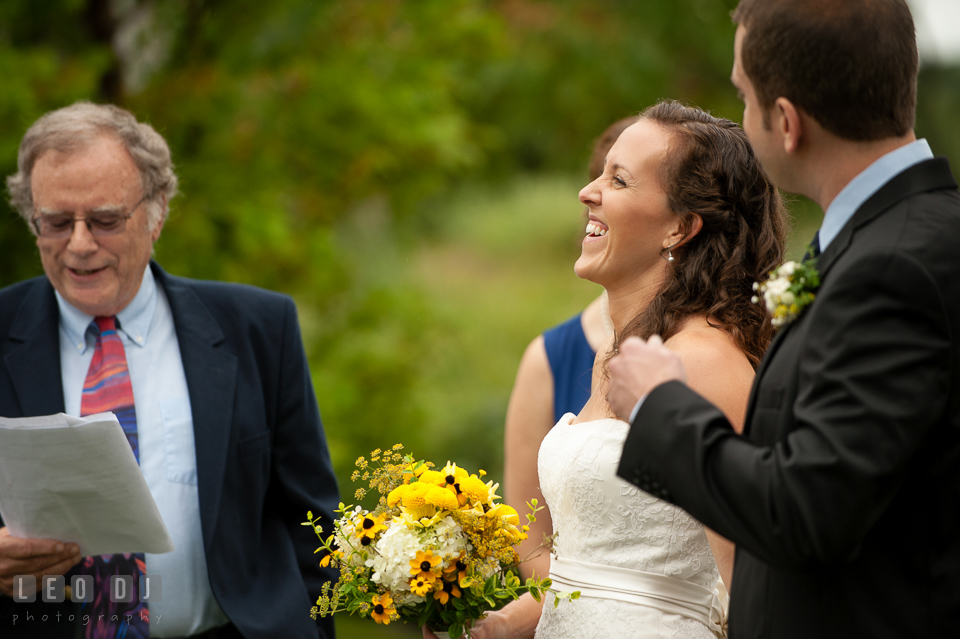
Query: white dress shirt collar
[{"x": 134, "y": 320}]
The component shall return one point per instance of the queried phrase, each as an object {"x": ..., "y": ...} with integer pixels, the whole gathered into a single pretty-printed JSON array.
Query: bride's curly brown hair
[{"x": 712, "y": 172}]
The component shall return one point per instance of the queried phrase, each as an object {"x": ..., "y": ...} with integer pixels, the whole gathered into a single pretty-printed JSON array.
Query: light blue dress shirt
[
  {"x": 868, "y": 182},
  {"x": 167, "y": 456},
  {"x": 854, "y": 194}
]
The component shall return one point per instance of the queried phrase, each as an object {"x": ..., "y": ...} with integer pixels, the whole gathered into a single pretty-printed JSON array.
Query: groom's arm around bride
[{"x": 843, "y": 494}]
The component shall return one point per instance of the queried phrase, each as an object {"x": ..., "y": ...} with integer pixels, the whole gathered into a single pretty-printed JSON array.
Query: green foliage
[
  {"x": 39, "y": 73},
  {"x": 406, "y": 169},
  {"x": 575, "y": 66}
]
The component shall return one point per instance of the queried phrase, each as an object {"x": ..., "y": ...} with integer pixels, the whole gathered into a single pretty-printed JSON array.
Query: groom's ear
[{"x": 788, "y": 123}]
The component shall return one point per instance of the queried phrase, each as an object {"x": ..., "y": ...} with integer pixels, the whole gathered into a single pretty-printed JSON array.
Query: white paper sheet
[{"x": 76, "y": 479}]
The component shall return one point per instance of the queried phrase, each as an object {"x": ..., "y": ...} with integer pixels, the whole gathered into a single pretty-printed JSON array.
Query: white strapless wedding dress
[{"x": 643, "y": 566}]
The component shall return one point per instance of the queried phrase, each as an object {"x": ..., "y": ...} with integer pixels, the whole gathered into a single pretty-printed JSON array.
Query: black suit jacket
[
  {"x": 843, "y": 494},
  {"x": 262, "y": 459}
]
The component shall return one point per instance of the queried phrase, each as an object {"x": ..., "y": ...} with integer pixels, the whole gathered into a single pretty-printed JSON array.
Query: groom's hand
[{"x": 637, "y": 369}]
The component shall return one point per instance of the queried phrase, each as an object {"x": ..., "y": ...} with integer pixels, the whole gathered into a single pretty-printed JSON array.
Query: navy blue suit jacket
[{"x": 262, "y": 458}]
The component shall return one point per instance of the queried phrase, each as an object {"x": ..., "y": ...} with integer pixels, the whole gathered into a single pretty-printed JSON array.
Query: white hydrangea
[{"x": 398, "y": 546}]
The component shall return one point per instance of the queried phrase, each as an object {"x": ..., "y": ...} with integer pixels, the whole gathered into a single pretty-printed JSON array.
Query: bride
[{"x": 682, "y": 221}]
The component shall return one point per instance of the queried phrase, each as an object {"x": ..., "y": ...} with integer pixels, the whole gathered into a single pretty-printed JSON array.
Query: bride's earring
[{"x": 670, "y": 253}]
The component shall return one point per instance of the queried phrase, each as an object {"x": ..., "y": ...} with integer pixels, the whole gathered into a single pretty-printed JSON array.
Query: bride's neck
[{"x": 627, "y": 302}]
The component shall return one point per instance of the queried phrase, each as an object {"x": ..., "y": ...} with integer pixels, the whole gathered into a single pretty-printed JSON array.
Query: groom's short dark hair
[{"x": 850, "y": 64}]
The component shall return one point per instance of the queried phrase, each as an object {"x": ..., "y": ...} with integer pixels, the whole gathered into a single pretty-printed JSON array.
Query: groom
[{"x": 843, "y": 494}]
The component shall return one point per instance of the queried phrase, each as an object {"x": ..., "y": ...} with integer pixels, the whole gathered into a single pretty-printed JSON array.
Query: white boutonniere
[{"x": 789, "y": 289}]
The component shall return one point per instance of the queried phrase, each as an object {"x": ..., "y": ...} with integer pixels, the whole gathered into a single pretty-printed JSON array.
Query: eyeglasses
[{"x": 59, "y": 226}]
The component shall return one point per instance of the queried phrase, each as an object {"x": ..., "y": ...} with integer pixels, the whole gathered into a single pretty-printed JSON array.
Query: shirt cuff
[{"x": 636, "y": 408}]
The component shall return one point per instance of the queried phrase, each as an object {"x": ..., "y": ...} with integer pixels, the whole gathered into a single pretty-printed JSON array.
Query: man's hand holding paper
[{"x": 35, "y": 557}]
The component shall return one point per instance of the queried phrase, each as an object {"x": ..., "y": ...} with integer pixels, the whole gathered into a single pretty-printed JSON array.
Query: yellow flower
[
  {"x": 408, "y": 495},
  {"x": 367, "y": 528},
  {"x": 505, "y": 512},
  {"x": 426, "y": 565},
  {"x": 396, "y": 495},
  {"x": 509, "y": 514},
  {"x": 441, "y": 498},
  {"x": 383, "y": 610},
  {"x": 415, "y": 495},
  {"x": 457, "y": 570},
  {"x": 433, "y": 477},
  {"x": 474, "y": 489},
  {"x": 449, "y": 588},
  {"x": 421, "y": 499},
  {"x": 420, "y": 586},
  {"x": 420, "y": 519},
  {"x": 451, "y": 476},
  {"x": 492, "y": 487}
]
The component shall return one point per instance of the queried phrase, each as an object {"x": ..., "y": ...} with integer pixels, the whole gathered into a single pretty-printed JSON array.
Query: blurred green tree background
[{"x": 407, "y": 169}]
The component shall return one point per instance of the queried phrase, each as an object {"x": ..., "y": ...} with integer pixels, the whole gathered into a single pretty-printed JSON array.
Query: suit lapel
[
  {"x": 211, "y": 373},
  {"x": 925, "y": 176},
  {"x": 764, "y": 363},
  {"x": 32, "y": 353},
  {"x": 929, "y": 175}
]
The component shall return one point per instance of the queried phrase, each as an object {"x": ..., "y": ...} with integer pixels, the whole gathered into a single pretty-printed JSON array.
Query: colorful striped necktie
[{"x": 108, "y": 388}]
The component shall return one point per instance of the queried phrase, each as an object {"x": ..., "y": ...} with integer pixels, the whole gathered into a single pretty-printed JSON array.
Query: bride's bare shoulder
[
  {"x": 698, "y": 341},
  {"x": 716, "y": 367}
]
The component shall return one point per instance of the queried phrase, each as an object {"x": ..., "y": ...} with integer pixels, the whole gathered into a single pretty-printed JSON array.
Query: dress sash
[{"x": 667, "y": 594}]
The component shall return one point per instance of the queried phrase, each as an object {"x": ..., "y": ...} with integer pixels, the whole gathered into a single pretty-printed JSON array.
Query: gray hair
[{"x": 72, "y": 128}]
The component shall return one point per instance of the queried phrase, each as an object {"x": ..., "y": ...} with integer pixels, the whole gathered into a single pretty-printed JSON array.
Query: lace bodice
[{"x": 603, "y": 519}]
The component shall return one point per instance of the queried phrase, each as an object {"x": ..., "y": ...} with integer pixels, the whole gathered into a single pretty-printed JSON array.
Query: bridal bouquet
[{"x": 438, "y": 549}]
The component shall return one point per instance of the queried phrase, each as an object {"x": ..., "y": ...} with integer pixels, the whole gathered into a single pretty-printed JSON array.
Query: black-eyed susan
[
  {"x": 449, "y": 590},
  {"x": 421, "y": 586},
  {"x": 457, "y": 570},
  {"x": 426, "y": 565},
  {"x": 367, "y": 527},
  {"x": 451, "y": 476},
  {"x": 329, "y": 557},
  {"x": 383, "y": 610}
]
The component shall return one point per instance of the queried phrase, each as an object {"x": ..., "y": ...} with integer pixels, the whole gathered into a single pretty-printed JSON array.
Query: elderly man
[
  {"x": 209, "y": 380},
  {"x": 843, "y": 493}
]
